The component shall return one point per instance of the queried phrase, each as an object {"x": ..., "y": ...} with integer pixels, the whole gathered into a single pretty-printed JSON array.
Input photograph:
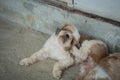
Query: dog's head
[{"x": 68, "y": 35}]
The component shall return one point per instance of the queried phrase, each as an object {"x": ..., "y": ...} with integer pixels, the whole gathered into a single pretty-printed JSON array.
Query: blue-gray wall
[{"x": 46, "y": 18}]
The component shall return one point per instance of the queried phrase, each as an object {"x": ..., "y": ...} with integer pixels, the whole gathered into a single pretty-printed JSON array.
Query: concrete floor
[{"x": 17, "y": 42}]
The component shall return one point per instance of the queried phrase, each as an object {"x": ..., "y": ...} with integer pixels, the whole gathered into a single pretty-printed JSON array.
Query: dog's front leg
[
  {"x": 61, "y": 65},
  {"x": 40, "y": 55}
]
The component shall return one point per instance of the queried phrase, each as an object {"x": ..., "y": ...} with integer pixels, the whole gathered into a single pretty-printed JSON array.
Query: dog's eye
[{"x": 67, "y": 36}]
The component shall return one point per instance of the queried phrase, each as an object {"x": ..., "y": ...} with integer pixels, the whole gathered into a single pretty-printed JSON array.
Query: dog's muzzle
[{"x": 78, "y": 45}]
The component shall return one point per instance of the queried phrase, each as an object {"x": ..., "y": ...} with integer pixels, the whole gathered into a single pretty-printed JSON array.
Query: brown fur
[
  {"x": 67, "y": 43},
  {"x": 109, "y": 63},
  {"x": 84, "y": 37},
  {"x": 91, "y": 52},
  {"x": 67, "y": 27},
  {"x": 98, "y": 52}
]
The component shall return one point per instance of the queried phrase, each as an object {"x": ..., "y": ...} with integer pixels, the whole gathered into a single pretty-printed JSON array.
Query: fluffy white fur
[
  {"x": 100, "y": 73},
  {"x": 54, "y": 48}
]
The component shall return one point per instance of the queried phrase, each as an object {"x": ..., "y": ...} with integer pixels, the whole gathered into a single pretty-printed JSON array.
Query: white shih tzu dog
[{"x": 57, "y": 47}]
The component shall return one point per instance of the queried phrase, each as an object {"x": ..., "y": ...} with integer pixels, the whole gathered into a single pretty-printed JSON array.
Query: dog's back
[
  {"x": 111, "y": 66},
  {"x": 107, "y": 69},
  {"x": 84, "y": 37}
]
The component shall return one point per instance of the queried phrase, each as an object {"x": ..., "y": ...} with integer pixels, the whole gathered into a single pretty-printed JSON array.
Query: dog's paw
[
  {"x": 57, "y": 74},
  {"x": 24, "y": 62}
]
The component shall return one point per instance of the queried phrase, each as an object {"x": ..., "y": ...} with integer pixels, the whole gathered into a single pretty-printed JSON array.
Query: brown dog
[
  {"x": 96, "y": 64},
  {"x": 57, "y": 47},
  {"x": 106, "y": 69},
  {"x": 89, "y": 55}
]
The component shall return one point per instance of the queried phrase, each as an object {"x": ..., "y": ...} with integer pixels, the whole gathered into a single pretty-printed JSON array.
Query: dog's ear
[
  {"x": 57, "y": 31},
  {"x": 68, "y": 27}
]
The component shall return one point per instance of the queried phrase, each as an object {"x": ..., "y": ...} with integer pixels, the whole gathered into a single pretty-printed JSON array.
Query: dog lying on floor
[
  {"x": 57, "y": 47},
  {"x": 96, "y": 63}
]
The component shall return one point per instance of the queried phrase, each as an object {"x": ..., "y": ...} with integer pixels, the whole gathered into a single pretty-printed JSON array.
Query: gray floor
[{"x": 16, "y": 43}]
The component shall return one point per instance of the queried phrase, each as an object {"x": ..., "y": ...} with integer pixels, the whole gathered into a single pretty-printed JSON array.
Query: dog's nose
[{"x": 78, "y": 45}]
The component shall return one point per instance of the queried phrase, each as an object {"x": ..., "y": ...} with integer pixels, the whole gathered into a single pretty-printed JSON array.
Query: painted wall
[
  {"x": 104, "y": 8},
  {"x": 45, "y": 18}
]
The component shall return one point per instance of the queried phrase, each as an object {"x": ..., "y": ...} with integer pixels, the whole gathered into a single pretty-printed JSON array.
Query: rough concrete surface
[{"x": 16, "y": 43}]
